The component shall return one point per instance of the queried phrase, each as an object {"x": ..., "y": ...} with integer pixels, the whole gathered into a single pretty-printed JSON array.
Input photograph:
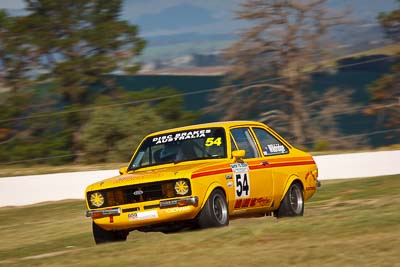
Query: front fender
[{"x": 210, "y": 189}]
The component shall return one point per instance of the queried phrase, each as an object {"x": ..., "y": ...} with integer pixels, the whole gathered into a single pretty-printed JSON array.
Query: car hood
[{"x": 152, "y": 174}]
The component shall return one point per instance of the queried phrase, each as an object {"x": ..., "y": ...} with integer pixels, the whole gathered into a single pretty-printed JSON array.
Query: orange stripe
[
  {"x": 253, "y": 167},
  {"x": 282, "y": 160},
  {"x": 258, "y": 161},
  {"x": 214, "y": 167}
]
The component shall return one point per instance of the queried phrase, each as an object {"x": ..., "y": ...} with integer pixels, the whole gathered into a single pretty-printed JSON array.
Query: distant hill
[{"x": 180, "y": 28}]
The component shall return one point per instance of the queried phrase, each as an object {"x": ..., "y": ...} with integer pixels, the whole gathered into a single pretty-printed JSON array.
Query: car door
[
  {"x": 276, "y": 153},
  {"x": 252, "y": 182}
]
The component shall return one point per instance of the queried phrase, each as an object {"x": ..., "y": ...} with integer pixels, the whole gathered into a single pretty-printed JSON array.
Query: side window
[
  {"x": 233, "y": 145},
  {"x": 269, "y": 144},
  {"x": 142, "y": 158},
  {"x": 244, "y": 141}
]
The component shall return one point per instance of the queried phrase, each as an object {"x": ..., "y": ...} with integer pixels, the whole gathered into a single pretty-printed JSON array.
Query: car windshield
[{"x": 197, "y": 144}]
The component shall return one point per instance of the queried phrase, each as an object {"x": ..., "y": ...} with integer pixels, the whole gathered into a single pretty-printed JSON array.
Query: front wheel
[
  {"x": 293, "y": 202},
  {"x": 103, "y": 236},
  {"x": 215, "y": 211}
]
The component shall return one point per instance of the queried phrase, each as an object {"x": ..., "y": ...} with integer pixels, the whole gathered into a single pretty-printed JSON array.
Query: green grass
[{"x": 347, "y": 223}]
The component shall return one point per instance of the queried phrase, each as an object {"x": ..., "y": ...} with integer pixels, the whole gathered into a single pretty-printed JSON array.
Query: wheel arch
[
  {"x": 210, "y": 189},
  {"x": 292, "y": 179}
]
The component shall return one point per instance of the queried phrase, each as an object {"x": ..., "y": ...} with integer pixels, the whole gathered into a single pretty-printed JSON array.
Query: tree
[
  {"x": 111, "y": 133},
  {"x": 71, "y": 47},
  {"x": 17, "y": 55},
  {"x": 73, "y": 43},
  {"x": 385, "y": 91},
  {"x": 273, "y": 58}
]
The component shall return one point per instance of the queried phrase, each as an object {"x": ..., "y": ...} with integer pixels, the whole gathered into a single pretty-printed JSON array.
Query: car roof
[{"x": 224, "y": 124}]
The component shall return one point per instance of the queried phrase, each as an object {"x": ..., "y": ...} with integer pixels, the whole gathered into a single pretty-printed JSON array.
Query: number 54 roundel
[{"x": 242, "y": 179}]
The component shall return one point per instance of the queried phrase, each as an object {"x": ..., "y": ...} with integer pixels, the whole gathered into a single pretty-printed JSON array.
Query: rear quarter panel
[{"x": 295, "y": 166}]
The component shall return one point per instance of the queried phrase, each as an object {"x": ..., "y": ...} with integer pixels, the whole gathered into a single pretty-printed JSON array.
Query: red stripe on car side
[
  {"x": 283, "y": 164},
  {"x": 201, "y": 174}
]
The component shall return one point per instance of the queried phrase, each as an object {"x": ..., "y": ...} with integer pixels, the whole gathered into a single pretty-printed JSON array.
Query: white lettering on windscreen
[{"x": 181, "y": 136}]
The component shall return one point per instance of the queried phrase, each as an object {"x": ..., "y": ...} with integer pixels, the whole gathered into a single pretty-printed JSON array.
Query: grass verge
[{"x": 347, "y": 223}]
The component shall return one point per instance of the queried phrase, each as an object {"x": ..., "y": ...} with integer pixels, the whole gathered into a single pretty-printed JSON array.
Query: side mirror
[
  {"x": 123, "y": 170},
  {"x": 238, "y": 155}
]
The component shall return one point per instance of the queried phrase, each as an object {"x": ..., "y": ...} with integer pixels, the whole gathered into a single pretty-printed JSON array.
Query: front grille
[{"x": 138, "y": 193}]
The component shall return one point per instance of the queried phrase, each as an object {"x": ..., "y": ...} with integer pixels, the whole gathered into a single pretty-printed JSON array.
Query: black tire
[
  {"x": 215, "y": 211},
  {"x": 293, "y": 202},
  {"x": 103, "y": 236}
]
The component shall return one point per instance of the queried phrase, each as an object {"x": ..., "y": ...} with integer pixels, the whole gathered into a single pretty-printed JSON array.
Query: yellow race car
[{"x": 201, "y": 176}]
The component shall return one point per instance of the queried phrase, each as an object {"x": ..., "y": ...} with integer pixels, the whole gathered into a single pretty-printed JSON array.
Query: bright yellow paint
[{"x": 269, "y": 178}]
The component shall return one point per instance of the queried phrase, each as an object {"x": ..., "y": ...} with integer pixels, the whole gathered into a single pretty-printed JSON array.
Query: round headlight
[
  {"x": 181, "y": 187},
  {"x": 97, "y": 199}
]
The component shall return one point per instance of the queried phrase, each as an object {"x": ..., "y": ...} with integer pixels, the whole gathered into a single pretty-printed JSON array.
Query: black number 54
[{"x": 242, "y": 184}]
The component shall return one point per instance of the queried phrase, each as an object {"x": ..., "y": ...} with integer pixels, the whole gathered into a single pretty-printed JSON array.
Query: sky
[{"x": 162, "y": 17}]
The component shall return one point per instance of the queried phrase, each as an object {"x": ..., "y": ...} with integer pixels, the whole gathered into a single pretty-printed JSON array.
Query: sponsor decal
[
  {"x": 253, "y": 202},
  {"x": 181, "y": 136},
  {"x": 274, "y": 148},
  {"x": 177, "y": 209},
  {"x": 137, "y": 216},
  {"x": 132, "y": 216}
]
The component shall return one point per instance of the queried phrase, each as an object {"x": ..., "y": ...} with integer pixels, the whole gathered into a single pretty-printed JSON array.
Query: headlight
[
  {"x": 97, "y": 199},
  {"x": 181, "y": 187}
]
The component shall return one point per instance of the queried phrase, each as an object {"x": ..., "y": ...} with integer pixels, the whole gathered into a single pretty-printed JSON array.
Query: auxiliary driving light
[
  {"x": 181, "y": 187},
  {"x": 97, "y": 199}
]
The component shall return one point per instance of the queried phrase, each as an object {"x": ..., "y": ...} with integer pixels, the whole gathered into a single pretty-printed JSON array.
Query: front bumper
[
  {"x": 103, "y": 213},
  {"x": 143, "y": 214}
]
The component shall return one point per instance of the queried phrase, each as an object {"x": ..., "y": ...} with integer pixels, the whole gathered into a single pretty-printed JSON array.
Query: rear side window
[
  {"x": 245, "y": 141},
  {"x": 269, "y": 144}
]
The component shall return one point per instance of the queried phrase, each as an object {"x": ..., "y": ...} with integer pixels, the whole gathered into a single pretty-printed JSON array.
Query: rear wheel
[
  {"x": 103, "y": 236},
  {"x": 215, "y": 211},
  {"x": 293, "y": 202}
]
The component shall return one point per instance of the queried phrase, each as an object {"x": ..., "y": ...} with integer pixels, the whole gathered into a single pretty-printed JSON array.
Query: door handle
[{"x": 264, "y": 163}]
